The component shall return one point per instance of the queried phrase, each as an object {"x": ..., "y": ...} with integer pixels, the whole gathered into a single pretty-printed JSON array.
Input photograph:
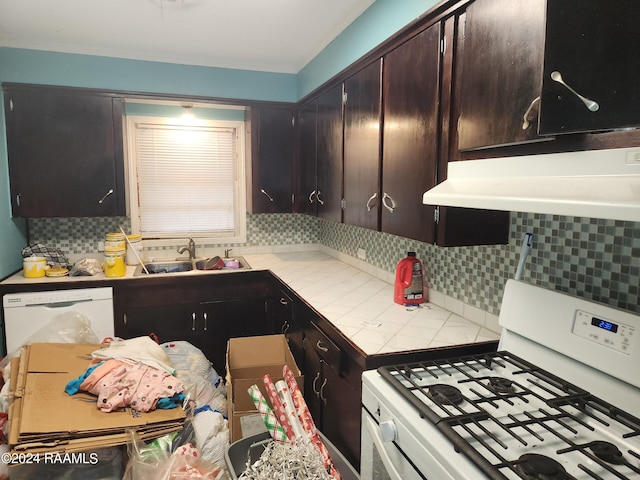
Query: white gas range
[{"x": 559, "y": 400}]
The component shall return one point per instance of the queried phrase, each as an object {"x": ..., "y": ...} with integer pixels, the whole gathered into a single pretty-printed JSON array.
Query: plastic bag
[
  {"x": 86, "y": 267},
  {"x": 68, "y": 327},
  {"x": 171, "y": 457}
]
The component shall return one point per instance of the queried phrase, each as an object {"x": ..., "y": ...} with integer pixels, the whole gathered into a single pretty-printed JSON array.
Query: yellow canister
[
  {"x": 114, "y": 240},
  {"x": 114, "y": 262},
  {"x": 34, "y": 267}
]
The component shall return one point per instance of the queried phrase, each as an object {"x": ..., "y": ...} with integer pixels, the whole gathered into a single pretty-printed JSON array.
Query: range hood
[{"x": 595, "y": 183}]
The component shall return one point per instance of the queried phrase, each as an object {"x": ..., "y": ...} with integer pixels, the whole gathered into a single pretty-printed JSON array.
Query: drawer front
[{"x": 324, "y": 347}]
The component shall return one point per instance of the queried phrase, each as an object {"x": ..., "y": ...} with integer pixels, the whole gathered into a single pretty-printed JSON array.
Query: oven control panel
[{"x": 612, "y": 334}]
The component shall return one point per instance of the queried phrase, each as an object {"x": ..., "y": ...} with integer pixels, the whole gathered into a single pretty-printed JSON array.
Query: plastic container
[
  {"x": 409, "y": 285},
  {"x": 135, "y": 242},
  {"x": 250, "y": 448},
  {"x": 114, "y": 262}
]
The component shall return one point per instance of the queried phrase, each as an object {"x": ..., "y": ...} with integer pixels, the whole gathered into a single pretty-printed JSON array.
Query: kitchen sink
[{"x": 171, "y": 265}]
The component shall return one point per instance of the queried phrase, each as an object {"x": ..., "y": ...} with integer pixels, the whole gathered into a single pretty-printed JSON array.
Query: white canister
[
  {"x": 135, "y": 242},
  {"x": 34, "y": 267}
]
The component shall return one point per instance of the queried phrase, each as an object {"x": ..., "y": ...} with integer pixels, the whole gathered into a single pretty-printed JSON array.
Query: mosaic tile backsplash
[{"x": 592, "y": 258}]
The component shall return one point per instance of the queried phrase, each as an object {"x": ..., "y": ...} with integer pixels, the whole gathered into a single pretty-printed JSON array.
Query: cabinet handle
[
  {"x": 124, "y": 318},
  {"x": 313, "y": 386},
  {"x": 384, "y": 202},
  {"x": 193, "y": 321},
  {"x": 591, "y": 105},
  {"x": 311, "y": 196},
  {"x": 285, "y": 327},
  {"x": 284, "y": 301},
  {"x": 106, "y": 195},
  {"x": 321, "y": 347},
  {"x": 369, "y": 204},
  {"x": 18, "y": 199},
  {"x": 318, "y": 197},
  {"x": 205, "y": 316},
  {"x": 321, "y": 395},
  {"x": 525, "y": 117},
  {"x": 262, "y": 190}
]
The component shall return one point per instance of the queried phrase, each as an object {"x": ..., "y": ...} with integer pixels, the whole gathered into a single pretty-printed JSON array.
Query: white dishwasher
[{"x": 26, "y": 313}]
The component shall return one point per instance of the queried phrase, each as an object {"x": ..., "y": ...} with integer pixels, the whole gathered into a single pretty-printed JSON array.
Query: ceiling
[{"x": 264, "y": 35}]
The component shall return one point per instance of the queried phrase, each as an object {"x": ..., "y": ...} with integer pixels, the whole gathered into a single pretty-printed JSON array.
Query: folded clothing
[{"x": 136, "y": 350}]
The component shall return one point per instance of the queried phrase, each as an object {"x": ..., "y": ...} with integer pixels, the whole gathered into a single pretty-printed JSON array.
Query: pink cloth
[{"x": 118, "y": 384}]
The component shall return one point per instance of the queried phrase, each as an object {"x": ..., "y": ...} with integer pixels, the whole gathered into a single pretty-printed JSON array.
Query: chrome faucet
[{"x": 191, "y": 248}]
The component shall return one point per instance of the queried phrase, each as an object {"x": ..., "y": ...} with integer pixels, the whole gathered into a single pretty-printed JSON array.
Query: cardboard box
[{"x": 248, "y": 360}]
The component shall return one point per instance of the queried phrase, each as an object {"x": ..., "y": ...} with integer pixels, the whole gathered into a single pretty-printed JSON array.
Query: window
[{"x": 187, "y": 179}]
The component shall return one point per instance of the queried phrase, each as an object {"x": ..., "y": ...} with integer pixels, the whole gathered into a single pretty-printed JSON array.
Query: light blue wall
[{"x": 382, "y": 19}]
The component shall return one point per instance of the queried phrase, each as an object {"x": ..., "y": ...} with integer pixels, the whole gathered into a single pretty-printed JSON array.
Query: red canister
[{"x": 409, "y": 287}]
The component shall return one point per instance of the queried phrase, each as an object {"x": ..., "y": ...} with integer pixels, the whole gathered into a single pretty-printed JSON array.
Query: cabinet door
[
  {"x": 306, "y": 174},
  {"x": 312, "y": 384},
  {"x": 341, "y": 405},
  {"x": 362, "y": 147},
  {"x": 164, "y": 322},
  {"x": 65, "y": 152},
  {"x": 329, "y": 154},
  {"x": 499, "y": 70},
  {"x": 410, "y": 152},
  {"x": 272, "y": 146},
  {"x": 220, "y": 321},
  {"x": 287, "y": 323},
  {"x": 597, "y": 57}
]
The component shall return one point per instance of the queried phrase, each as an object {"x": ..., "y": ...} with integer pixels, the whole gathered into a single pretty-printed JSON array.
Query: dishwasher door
[{"x": 26, "y": 313}]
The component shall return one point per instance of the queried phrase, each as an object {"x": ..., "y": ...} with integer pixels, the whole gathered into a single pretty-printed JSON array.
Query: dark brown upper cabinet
[
  {"x": 272, "y": 147},
  {"x": 362, "y": 125},
  {"x": 500, "y": 65},
  {"x": 328, "y": 192},
  {"x": 533, "y": 69},
  {"x": 305, "y": 176},
  {"x": 591, "y": 46},
  {"x": 410, "y": 153},
  {"x": 66, "y": 151}
]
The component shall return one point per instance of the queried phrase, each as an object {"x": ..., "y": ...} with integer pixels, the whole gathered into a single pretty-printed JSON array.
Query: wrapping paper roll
[
  {"x": 287, "y": 403},
  {"x": 307, "y": 422},
  {"x": 271, "y": 422},
  {"x": 278, "y": 408}
]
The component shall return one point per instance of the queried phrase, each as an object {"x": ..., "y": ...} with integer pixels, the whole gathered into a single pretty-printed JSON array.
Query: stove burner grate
[{"x": 465, "y": 414}]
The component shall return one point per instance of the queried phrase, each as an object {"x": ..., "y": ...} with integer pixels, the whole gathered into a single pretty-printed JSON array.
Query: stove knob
[{"x": 388, "y": 431}]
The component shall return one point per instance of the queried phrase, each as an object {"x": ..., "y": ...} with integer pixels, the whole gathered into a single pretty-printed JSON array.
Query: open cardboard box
[{"x": 248, "y": 360}]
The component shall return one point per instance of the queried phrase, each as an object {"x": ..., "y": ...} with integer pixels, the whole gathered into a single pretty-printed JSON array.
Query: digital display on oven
[{"x": 603, "y": 324}]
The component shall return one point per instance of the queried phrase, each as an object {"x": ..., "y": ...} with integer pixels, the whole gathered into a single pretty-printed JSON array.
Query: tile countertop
[
  {"x": 362, "y": 307},
  {"x": 358, "y": 303}
]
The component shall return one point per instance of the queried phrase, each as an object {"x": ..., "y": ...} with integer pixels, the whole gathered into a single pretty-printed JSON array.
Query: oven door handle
[{"x": 374, "y": 430}]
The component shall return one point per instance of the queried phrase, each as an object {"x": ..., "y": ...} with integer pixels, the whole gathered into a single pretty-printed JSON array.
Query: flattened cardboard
[{"x": 46, "y": 418}]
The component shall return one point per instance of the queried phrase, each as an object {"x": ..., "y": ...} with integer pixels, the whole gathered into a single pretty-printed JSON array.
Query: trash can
[{"x": 250, "y": 449}]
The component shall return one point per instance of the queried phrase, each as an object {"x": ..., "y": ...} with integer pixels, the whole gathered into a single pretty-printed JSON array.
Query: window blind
[{"x": 186, "y": 179}]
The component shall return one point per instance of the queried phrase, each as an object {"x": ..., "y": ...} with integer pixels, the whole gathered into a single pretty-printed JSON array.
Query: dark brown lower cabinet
[{"x": 203, "y": 310}]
